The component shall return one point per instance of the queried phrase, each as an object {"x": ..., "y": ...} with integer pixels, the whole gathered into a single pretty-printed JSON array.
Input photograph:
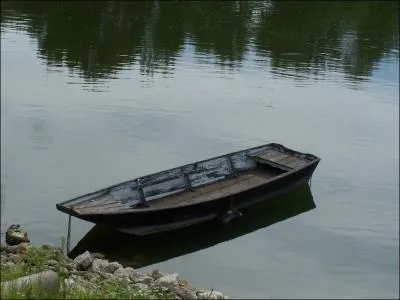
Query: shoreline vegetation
[{"x": 45, "y": 272}]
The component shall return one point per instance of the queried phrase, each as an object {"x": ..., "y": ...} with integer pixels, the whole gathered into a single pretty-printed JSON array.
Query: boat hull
[{"x": 144, "y": 222}]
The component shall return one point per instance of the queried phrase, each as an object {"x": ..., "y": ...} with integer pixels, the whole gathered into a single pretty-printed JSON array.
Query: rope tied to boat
[{"x": 69, "y": 234}]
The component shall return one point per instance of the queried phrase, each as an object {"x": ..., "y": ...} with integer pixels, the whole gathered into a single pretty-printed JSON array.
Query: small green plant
[
  {"x": 12, "y": 272},
  {"x": 34, "y": 260}
]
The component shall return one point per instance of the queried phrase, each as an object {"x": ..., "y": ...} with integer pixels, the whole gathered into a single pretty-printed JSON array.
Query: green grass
[
  {"x": 33, "y": 261},
  {"x": 12, "y": 272},
  {"x": 115, "y": 289}
]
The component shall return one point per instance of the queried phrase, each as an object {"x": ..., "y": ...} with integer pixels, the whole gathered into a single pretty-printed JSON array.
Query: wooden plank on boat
[
  {"x": 188, "y": 183},
  {"x": 95, "y": 202},
  {"x": 299, "y": 162},
  {"x": 226, "y": 187},
  {"x": 230, "y": 187},
  {"x": 124, "y": 191},
  {"x": 209, "y": 171},
  {"x": 85, "y": 198},
  {"x": 205, "y": 192},
  {"x": 241, "y": 162},
  {"x": 160, "y": 177},
  {"x": 271, "y": 163},
  {"x": 174, "y": 199},
  {"x": 103, "y": 209},
  {"x": 270, "y": 154},
  {"x": 287, "y": 162},
  {"x": 164, "y": 187},
  {"x": 140, "y": 192}
]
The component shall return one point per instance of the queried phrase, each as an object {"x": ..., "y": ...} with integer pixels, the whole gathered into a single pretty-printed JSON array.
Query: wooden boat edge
[{"x": 63, "y": 208}]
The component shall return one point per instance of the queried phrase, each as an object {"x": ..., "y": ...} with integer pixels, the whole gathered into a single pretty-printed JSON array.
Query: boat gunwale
[
  {"x": 173, "y": 207},
  {"x": 62, "y": 205}
]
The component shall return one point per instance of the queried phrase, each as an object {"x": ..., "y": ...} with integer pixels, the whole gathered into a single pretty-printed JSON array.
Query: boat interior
[{"x": 198, "y": 182}]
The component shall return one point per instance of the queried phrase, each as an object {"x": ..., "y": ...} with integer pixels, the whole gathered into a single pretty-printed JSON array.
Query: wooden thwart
[
  {"x": 282, "y": 160},
  {"x": 232, "y": 170},
  {"x": 139, "y": 188},
  {"x": 221, "y": 188},
  {"x": 188, "y": 184}
]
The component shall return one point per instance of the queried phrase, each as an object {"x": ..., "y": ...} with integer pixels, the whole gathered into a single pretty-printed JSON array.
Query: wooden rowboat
[
  {"x": 215, "y": 188},
  {"x": 141, "y": 251}
]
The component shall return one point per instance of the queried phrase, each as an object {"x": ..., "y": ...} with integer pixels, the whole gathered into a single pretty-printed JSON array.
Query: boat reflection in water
[{"x": 141, "y": 251}]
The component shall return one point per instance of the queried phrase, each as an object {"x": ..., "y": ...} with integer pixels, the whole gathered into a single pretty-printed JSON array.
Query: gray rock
[
  {"x": 143, "y": 278},
  {"x": 105, "y": 275},
  {"x": 98, "y": 255},
  {"x": 71, "y": 266},
  {"x": 83, "y": 261},
  {"x": 140, "y": 286},
  {"x": 112, "y": 267},
  {"x": 45, "y": 281},
  {"x": 99, "y": 265},
  {"x": 78, "y": 273},
  {"x": 90, "y": 276},
  {"x": 210, "y": 295},
  {"x": 8, "y": 264},
  {"x": 186, "y": 293},
  {"x": 15, "y": 235},
  {"x": 52, "y": 268},
  {"x": 81, "y": 286},
  {"x": 170, "y": 281},
  {"x": 10, "y": 249},
  {"x": 14, "y": 258},
  {"x": 69, "y": 283},
  {"x": 93, "y": 280},
  {"x": 20, "y": 248},
  {"x": 157, "y": 274},
  {"x": 128, "y": 273},
  {"x": 52, "y": 262},
  {"x": 63, "y": 270},
  {"x": 102, "y": 265}
]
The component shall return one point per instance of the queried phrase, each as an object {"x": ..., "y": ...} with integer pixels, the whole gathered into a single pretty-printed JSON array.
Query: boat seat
[{"x": 259, "y": 158}]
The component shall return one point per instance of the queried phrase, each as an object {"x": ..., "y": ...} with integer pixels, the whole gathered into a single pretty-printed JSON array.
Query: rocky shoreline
[{"x": 89, "y": 275}]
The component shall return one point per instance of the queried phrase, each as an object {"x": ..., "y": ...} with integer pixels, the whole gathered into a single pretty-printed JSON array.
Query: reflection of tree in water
[
  {"x": 309, "y": 36},
  {"x": 220, "y": 28},
  {"x": 376, "y": 29},
  {"x": 163, "y": 38},
  {"x": 99, "y": 38}
]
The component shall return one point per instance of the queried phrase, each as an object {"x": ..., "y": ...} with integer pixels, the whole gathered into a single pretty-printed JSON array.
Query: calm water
[{"x": 97, "y": 93}]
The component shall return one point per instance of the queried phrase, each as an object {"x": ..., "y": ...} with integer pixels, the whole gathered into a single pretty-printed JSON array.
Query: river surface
[{"x": 94, "y": 93}]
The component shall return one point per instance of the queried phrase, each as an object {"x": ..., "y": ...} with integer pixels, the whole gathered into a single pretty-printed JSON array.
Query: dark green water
[{"x": 94, "y": 93}]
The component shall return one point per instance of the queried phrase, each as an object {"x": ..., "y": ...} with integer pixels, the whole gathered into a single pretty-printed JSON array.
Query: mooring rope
[{"x": 69, "y": 234}]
